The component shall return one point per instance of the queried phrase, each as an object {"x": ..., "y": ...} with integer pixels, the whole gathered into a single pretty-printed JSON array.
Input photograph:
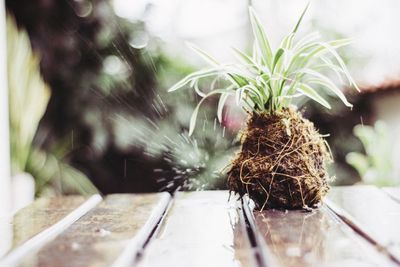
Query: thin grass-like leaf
[
  {"x": 306, "y": 40},
  {"x": 260, "y": 36},
  {"x": 333, "y": 88},
  {"x": 193, "y": 118},
  {"x": 287, "y": 42},
  {"x": 328, "y": 64},
  {"x": 195, "y": 76},
  {"x": 301, "y": 18},
  {"x": 331, "y": 49},
  {"x": 221, "y": 104},
  {"x": 197, "y": 89},
  {"x": 247, "y": 60},
  {"x": 267, "y": 81},
  {"x": 311, "y": 93},
  {"x": 324, "y": 81},
  {"x": 207, "y": 57},
  {"x": 277, "y": 56}
]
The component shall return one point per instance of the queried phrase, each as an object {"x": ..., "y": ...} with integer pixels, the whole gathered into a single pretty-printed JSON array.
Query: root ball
[{"x": 282, "y": 162}]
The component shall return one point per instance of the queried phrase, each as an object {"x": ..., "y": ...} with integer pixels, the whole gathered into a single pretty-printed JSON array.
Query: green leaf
[
  {"x": 311, "y": 93},
  {"x": 287, "y": 42},
  {"x": 193, "y": 118},
  {"x": 238, "y": 79},
  {"x": 301, "y": 18},
  {"x": 306, "y": 40},
  {"x": 261, "y": 37},
  {"x": 196, "y": 75},
  {"x": 325, "y": 82},
  {"x": 221, "y": 104},
  {"x": 207, "y": 57},
  {"x": 247, "y": 60},
  {"x": 254, "y": 93},
  {"x": 197, "y": 89},
  {"x": 234, "y": 78},
  {"x": 358, "y": 161},
  {"x": 331, "y": 49},
  {"x": 328, "y": 64},
  {"x": 268, "y": 80},
  {"x": 306, "y": 54},
  {"x": 334, "y": 89},
  {"x": 366, "y": 134},
  {"x": 256, "y": 54},
  {"x": 238, "y": 95},
  {"x": 278, "y": 55}
]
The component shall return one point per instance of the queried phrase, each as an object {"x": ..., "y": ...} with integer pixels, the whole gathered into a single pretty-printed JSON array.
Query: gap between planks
[
  {"x": 136, "y": 245},
  {"x": 367, "y": 228},
  {"x": 91, "y": 208},
  {"x": 277, "y": 248},
  {"x": 201, "y": 229},
  {"x": 393, "y": 192},
  {"x": 263, "y": 254}
]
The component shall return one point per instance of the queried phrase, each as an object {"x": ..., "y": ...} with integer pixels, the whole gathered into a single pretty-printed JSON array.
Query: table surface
[{"x": 355, "y": 226}]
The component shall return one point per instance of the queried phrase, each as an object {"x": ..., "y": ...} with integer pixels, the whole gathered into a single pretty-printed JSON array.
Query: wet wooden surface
[
  {"x": 393, "y": 192},
  {"x": 201, "y": 229},
  {"x": 357, "y": 226},
  {"x": 98, "y": 238},
  {"x": 39, "y": 216},
  {"x": 316, "y": 238},
  {"x": 42, "y": 214},
  {"x": 371, "y": 211}
]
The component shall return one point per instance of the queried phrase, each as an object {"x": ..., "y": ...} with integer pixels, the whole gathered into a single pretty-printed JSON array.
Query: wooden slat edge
[
  {"x": 390, "y": 192},
  {"x": 264, "y": 256},
  {"x": 357, "y": 227},
  {"x": 136, "y": 244},
  {"x": 40, "y": 239}
]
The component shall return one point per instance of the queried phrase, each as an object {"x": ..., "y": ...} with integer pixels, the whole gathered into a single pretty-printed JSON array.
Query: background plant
[
  {"x": 267, "y": 80},
  {"x": 28, "y": 99},
  {"x": 375, "y": 166}
]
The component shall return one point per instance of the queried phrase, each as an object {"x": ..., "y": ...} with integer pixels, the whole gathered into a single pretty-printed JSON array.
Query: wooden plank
[
  {"x": 42, "y": 214},
  {"x": 317, "y": 238},
  {"x": 43, "y": 236},
  {"x": 393, "y": 192},
  {"x": 35, "y": 218},
  {"x": 372, "y": 213},
  {"x": 201, "y": 229},
  {"x": 99, "y": 237}
]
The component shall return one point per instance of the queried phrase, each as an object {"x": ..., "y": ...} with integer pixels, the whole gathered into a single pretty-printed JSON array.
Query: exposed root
[{"x": 282, "y": 163}]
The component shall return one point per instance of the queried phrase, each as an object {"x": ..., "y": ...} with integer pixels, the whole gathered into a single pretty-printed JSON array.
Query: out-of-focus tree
[{"x": 109, "y": 109}]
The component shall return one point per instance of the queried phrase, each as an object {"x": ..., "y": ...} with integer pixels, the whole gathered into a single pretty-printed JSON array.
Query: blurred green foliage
[
  {"x": 28, "y": 99},
  {"x": 375, "y": 166}
]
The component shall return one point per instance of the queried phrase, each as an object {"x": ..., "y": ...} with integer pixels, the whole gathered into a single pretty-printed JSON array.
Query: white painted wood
[
  {"x": 23, "y": 191},
  {"x": 5, "y": 187},
  {"x": 136, "y": 244},
  {"x": 39, "y": 240}
]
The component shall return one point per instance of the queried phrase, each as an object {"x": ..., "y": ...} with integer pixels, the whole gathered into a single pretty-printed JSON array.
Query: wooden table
[{"x": 356, "y": 226}]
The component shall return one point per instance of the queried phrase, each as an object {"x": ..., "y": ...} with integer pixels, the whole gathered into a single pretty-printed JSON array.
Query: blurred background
[{"x": 90, "y": 112}]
